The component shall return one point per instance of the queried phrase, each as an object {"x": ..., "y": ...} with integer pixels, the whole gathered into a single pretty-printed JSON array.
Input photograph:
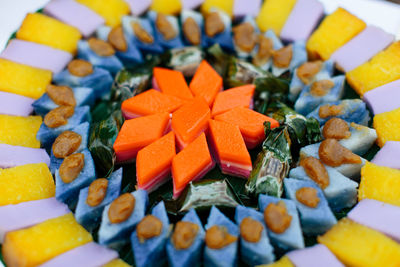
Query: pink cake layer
[
  {"x": 361, "y": 48},
  {"x": 379, "y": 216},
  {"x": 303, "y": 19},
  {"x": 75, "y": 14},
  {"x": 88, "y": 255},
  {"x": 252, "y": 142},
  {"x": 383, "y": 98},
  {"x": 11, "y": 156},
  {"x": 316, "y": 256},
  {"x": 242, "y": 8},
  {"x": 17, "y": 105},
  {"x": 388, "y": 155},
  {"x": 36, "y": 55},
  {"x": 138, "y": 7},
  {"x": 235, "y": 169},
  {"x": 26, "y": 214},
  {"x": 156, "y": 181},
  {"x": 182, "y": 144}
]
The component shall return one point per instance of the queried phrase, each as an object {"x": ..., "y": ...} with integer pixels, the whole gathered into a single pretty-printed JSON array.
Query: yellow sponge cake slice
[
  {"x": 20, "y": 131},
  {"x": 112, "y": 11},
  {"x": 273, "y": 15}
]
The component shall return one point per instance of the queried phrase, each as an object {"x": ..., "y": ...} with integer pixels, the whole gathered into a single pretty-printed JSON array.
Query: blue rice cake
[
  {"x": 76, "y": 172},
  {"x": 125, "y": 48},
  {"x": 69, "y": 142},
  {"x": 83, "y": 97},
  {"x": 315, "y": 215},
  {"x": 149, "y": 246},
  {"x": 185, "y": 250},
  {"x": 51, "y": 128},
  {"x": 350, "y": 110},
  {"x": 100, "y": 54},
  {"x": 220, "y": 252},
  {"x": 320, "y": 92},
  {"x": 281, "y": 63},
  {"x": 217, "y": 28},
  {"x": 115, "y": 230},
  {"x": 267, "y": 41},
  {"x": 341, "y": 192},
  {"x": 94, "y": 198},
  {"x": 166, "y": 29},
  {"x": 81, "y": 73},
  {"x": 286, "y": 235},
  {"x": 245, "y": 37},
  {"x": 255, "y": 248},
  {"x": 193, "y": 28},
  {"x": 351, "y": 170},
  {"x": 308, "y": 73},
  {"x": 141, "y": 32}
]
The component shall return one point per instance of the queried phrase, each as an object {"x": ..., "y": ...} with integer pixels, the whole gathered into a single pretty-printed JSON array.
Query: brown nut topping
[
  {"x": 307, "y": 71},
  {"x": 97, "y": 192},
  {"x": 61, "y": 95},
  {"x": 337, "y": 129},
  {"x": 192, "y": 31},
  {"x": 121, "y": 208},
  {"x": 71, "y": 167},
  {"x": 277, "y": 218},
  {"x": 142, "y": 34},
  {"x": 218, "y": 237},
  {"x": 117, "y": 39},
  {"x": 316, "y": 171},
  {"x": 308, "y": 196},
  {"x": 58, "y": 116},
  {"x": 333, "y": 154},
  {"x": 244, "y": 37},
  {"x": 149, "y": 227},
  {"x": 184, "y": 234},
  {"x": 251, "y": 230},
  {"x": 80, "y": 67},
  {"x": 265, "y": 50},
  {"x": 66, "y": 144},
  {"x": 321, "y": 88},
  {"x": 165, "y": 27},
  {"x": 100, "y": 47},
  {"x": 214, "y": 24},
  {"x": 283, "y": 56},
  {"x": 330, "y": 111}
]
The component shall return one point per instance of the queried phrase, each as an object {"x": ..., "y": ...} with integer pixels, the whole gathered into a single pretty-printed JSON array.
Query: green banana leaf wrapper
[
  {"x": 185, "y": 60},
  {"x": 241, "y": 72},
  {"x": 218, "y": 59}
]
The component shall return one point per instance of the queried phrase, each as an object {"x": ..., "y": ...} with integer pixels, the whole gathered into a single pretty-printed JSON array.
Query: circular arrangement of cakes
[{"x": 199, "y": 133}]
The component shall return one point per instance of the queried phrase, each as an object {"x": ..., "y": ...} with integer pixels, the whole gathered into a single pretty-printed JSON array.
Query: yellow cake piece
[
  {"x": 22, "y": 79},
  {"x": 168, "y": 7},
  {"x": 387, "y": 126},
  {"x": 19, "y": 131},
  {"x": 44, "y": 241},
  {"x": 26, "y": 183},
  {"x": 112, "y": 11},
  {"x": 335, "y": 30},
  {"x": 273, "y": 15},
  {"x": 39, "y": 28},
  {"x": 117, "y": 263},
  {"x": 283, "y": 262},
  {"x": 383, "y": 68},
  {"x": 224, "y": 5},
  {"x": 380, "y": 183},
  {"x": 358, "y": 245}
]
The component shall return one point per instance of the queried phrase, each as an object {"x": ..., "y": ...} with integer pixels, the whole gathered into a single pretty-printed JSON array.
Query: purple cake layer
[
  {"x": 74, "y": 14},
  {"x": 11, "y": 156},
  {"x": 88, "y": 255},
  {"x": 384, "y": 98},
  {"x": 388, "y": 155},
  {"x": 361, "y": 48},
  {"x": 192, "y": 4},
  {"x": 379, "y": 216},
  {"x": 17, "y": 105},
  {"x": 242, "y": 8},
  {"x": 26, "y": 214},
  {"x": 138, "y": 7},
  {"x": 303, "y": 19},
  {"x": 36, "y": 55},
  {"x": 315, "y": 256}
]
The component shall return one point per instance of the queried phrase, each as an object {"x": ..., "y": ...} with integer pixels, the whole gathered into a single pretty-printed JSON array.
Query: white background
[{"x": 377, "y": 12}]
